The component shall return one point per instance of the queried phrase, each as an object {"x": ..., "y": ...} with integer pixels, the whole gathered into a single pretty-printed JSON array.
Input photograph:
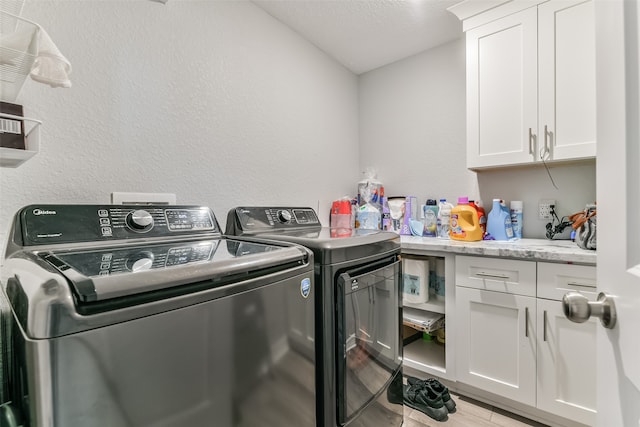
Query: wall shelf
[
  {"x": 11, "y": 157},
  {"x": 17, "y": 53},
  {"x": 434, "y": 305}
]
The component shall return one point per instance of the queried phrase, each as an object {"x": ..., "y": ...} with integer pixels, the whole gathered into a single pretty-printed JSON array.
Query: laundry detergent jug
[
  {"x": 499, "y": 222},
  {"x": 465, "y": 224}
]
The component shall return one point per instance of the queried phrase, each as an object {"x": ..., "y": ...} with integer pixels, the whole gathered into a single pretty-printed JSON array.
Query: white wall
[
  {"x": 214, "y": 101},
  {"x": 412, "y": 125},
  {"x": 413, "y": 130},
  {"x": 576, "y": 187}
]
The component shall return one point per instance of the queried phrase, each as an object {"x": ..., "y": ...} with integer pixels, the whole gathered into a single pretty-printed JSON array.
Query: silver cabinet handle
[
  {"x": 579, "y": 309},
  {"x": 544, "y": 325},
  {"x": 492, "y": 276},
  {"x": 546, "y": 139},
  {"x": 580, "y": 285},
  {"x": 526, "y": 322},
  {"x": 546, "y": 150},
  {"x": 532, "y": 148}
]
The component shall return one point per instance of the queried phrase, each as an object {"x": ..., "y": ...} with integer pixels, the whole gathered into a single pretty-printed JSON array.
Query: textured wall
[
  {"x": 214, "y": 101},
  {"x": 412, "y": 125}
]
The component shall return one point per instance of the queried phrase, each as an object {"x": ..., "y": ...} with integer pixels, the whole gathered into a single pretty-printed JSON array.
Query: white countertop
[{"x": 526, "y": 249}]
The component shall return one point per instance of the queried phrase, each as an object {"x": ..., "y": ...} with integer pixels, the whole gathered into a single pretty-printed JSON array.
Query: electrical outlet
[{"x": 544, "y": 208}]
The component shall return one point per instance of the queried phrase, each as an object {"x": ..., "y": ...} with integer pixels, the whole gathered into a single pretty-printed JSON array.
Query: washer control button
[
  {"x": 140, "y": 220},
  {"x": 139, "y": 262},
  {"x": 284, "y": 216}
]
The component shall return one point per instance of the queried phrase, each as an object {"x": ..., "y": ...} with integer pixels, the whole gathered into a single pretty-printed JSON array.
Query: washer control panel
[
  {"x": 259, "y": 219},
  {"x": 51, "y": 224},
  {"x": 132, "y": 260}
]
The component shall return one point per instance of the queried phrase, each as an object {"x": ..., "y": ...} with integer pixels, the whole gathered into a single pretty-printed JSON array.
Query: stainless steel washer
[
  {"x": 147, "y": 316},
  {"x": 358, "y": 312}
]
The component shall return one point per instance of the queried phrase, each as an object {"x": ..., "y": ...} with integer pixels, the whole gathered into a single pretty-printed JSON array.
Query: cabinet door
[
  {"x": 496, "y": 343},
  {"x": 502, "y": 91},
  {"x": 567, "y": 79},
  {"x": 566, "y": 364}
]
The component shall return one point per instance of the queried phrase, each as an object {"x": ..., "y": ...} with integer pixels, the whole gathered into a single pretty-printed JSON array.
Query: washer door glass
[{"x": 369, "y": 335}]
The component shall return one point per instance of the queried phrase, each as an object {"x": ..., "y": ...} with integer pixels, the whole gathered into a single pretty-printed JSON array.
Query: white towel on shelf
[{"x": 50, "y": 66}]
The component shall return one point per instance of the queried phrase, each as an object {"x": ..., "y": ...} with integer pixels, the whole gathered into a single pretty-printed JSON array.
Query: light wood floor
[{"x": 469, "y": 413}]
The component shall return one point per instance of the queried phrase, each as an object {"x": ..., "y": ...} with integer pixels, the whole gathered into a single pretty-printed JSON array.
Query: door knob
[{"x": 579, "y": 309}]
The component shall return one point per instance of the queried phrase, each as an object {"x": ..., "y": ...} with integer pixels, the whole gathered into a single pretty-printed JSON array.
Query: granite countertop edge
[{"x": 564, "y": 251}]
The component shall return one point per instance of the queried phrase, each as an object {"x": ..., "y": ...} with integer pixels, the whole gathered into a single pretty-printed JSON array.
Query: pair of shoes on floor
[{"x": 429, "y": 396}]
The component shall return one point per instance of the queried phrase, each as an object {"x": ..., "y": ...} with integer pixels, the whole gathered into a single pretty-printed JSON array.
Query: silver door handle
[{"x": 579, "y": 309}]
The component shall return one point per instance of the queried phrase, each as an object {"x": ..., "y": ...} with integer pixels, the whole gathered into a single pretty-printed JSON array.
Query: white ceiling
[{"x": 367, "y": 34}]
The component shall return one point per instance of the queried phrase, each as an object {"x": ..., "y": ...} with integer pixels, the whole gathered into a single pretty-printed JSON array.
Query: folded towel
[{"x": 50, "y": 66}]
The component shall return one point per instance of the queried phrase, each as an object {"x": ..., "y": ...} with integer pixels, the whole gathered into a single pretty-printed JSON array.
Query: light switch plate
[{"x": 143, "y": 198}]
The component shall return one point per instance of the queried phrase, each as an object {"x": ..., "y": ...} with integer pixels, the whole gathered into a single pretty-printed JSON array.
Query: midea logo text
[{"x": 41, "y": 212}]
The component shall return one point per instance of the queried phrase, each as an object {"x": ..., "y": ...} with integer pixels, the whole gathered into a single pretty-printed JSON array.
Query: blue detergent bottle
[{"x": 499, "y": 222}]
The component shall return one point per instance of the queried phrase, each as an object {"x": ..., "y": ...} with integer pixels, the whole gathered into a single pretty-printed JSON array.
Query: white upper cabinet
[
  {"x": 502, "y": 90},
  {"x": 567, "y": 79},
  {"x": 531, "y": 85}
]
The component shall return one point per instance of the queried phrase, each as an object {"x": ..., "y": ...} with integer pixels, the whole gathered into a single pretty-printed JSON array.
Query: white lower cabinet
[
  {"x": 514, "y": 341},
  {"x": 566, "y": 359},
  {"x": 496, "y": 343}
]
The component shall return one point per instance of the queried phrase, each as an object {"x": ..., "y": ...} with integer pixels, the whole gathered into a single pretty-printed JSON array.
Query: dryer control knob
[
  {"x": 140, "y": 220},
  {"x": 284, "y": 216}
]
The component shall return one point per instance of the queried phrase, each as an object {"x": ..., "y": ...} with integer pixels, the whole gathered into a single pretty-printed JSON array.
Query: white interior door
[{"x": 618, "y": 190}]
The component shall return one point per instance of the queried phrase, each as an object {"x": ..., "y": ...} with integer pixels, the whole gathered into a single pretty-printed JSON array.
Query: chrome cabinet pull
[
  {"x": 532, "y": 138},
  {"x": 526, "y": 322},
  {"x": 544, "y": 325},
  {"x": 492, "y": 276},
  {"x": 580, "y": 285},
  {"x": 546, "y": 139}
]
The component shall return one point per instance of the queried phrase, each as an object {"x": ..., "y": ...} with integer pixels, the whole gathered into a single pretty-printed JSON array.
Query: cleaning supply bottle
[
  {"x": 482, "y": 215},
  {"x": 368, "y": 217},
  {"x": 499, "y": 222},
  {"x": 386, "y": 215},
  {"x": 444, "y": 217},
  {"x": 465, "y": 223},
  {"x": 430, "y": 218},
  {"x": 504, "y": 207},
  {"x": 415, "y": 280},
  {"x": 516, "y": 218}
]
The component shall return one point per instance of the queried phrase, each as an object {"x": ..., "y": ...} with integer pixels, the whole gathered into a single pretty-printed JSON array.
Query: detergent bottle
[
  {"x": 499, "y": 222},
  {"x": 430, "y": 211},
  {"x": 444, "y": 217},
  {"x": 482, "y": 215},
  {"x": 465, "y": 224},
  {"x": 516, "y": 218}
]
